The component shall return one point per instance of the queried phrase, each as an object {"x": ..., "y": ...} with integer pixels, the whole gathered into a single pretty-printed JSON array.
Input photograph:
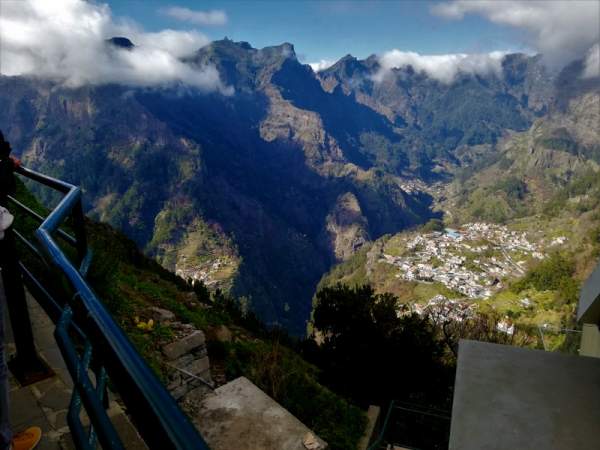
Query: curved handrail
[{"x": 159, "y": 419}]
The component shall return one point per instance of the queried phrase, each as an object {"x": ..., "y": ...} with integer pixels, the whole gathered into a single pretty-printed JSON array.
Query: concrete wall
[
  {"x": 372, "y": 418},
  {"x": 239, "y": 416},
  {"x": 588, "y": 309},
  {"x": 590, "y": 341},
  {"x": 515, "y": 398}
]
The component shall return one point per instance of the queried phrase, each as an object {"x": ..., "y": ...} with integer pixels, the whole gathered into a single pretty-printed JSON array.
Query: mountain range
[
  {"x": 526, "y": 208},
  {"x": 261, "y": 190}
]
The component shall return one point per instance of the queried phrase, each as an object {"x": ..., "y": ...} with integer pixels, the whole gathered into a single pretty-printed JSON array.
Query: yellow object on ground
[{"x": 28, "y": 439}]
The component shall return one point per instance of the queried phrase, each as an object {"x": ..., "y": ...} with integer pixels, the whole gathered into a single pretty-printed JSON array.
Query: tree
[
  {"x": 201, "y": 291},
  {"x": 549, "y": 274},
  {"x": 433, "y": 225},
  {"x": 455, "y": 321},
  {"x": 374, "y": 350}
]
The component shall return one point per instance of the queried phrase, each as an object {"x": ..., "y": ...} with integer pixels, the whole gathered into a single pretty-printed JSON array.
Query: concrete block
[
  {"x": 372, "y": 418},
  {"x": 184, "y": 345},
  {"x": 198, "y": 366},
  {"x": 238, "y": 415},
  {"x": 515, "y": 398},
  {"x": 590, "y": 341},
  {"x": 162, "y": 315}
]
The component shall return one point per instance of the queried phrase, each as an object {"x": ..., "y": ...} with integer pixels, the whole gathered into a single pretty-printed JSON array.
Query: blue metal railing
[
  {"x": 378, "y": 442},
  {"x": 156, "y": 415},
  {"x": 430, "y": 420}
]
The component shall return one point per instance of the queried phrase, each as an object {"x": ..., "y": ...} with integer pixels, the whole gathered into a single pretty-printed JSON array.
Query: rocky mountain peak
[
  {"x": 346, "y": 67},
  {"x": 278, "y": 53},
  {"x": 120, "y": 42}
]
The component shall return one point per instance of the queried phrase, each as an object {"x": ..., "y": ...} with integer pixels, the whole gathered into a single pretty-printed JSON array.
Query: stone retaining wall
[{"x": 186, "y": 356}]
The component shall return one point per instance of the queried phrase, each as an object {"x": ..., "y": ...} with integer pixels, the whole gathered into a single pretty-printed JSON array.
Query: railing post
[
  {"x": 80, "y": 235},
  {"x": 26, "y": 366}
]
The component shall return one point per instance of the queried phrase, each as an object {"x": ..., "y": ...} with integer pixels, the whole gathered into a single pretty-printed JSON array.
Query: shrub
[
  {"x": 433, "y": 225},
  {"x": 552, "y": 274},
  {"x": 514, "y": 188},
  {"x": 292, "y": 382}
]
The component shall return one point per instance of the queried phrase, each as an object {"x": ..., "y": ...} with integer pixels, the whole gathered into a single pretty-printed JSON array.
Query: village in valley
[
  {"x": 474, "y": 261},
  {"x": 212, "y": 272}
]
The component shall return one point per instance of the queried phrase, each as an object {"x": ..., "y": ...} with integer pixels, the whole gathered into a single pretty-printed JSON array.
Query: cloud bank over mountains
[
  {"x": 321, "y": 64},
  {"x": 561, "y": 31},
  {"x": 592, "y": 62},
  {"x": 443, "y": 68},
  {"x": 65, "y": 41}
]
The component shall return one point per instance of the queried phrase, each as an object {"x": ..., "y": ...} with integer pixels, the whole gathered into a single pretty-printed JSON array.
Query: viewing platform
[{"x": 46, "y": 402}]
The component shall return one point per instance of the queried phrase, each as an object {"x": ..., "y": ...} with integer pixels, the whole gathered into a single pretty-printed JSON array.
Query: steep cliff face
[
  {"x": 529, "y": 169},
  {"x": 346, "y": 227},
  {"x": 435, "y": 117}
]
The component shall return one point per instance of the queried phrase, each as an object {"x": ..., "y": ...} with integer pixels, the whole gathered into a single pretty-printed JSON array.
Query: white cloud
[
  {"x": 213, "y": 17},
  {"x": 592, "y": 63},
  {"x": 321, "y": 65},
  {"x": 177, "y": 43},
  {"x": 443, "y": 68},
  {"x": 65, "y": 41},
  {"x": 561, "y": 30}
]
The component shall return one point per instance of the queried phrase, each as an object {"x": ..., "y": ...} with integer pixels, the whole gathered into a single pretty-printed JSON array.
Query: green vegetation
[
  {"x": 129, "y": 284},
  {"x": 373, "y": 349},
  {"x": 382, "y": 152},
  {"x": 514, "y": 188},
  {"x": 595, "y": 240},
  {"x": 559, "y": 139},
  {"x": 489, "y": 207},
  {"x": 586, "y": 184},
  {"x": 433, "y": 225},
  {"x": 351, "y": 272},
  {"x": 291, "y": 381},
  {"x": 367, "y": 348},
  {"x": 552, "y": 274}
]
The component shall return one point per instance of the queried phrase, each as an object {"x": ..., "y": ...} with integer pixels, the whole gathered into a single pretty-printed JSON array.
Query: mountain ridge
[
  {"x": 541, "y": 186},
  {"x": 253, "y": 182}
]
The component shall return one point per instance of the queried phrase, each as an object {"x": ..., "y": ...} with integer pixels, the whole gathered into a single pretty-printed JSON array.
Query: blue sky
[
  {"x": 65, "y": 39},
  {"x": 329, "y": 30}
]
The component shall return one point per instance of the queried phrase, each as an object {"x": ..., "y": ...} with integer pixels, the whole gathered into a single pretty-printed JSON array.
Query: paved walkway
[{"x": 45, "y": 403}]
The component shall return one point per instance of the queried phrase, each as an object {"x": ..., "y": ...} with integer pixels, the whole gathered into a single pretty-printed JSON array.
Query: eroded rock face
[{"x": 347, "y": 227}]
